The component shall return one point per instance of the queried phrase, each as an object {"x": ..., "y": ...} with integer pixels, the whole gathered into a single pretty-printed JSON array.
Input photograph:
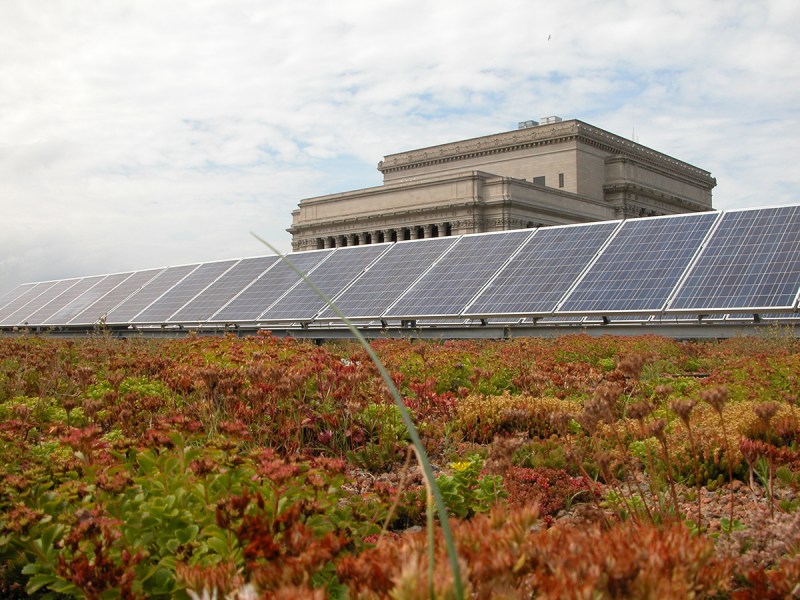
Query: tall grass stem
[{"x": 422, "y": 455}]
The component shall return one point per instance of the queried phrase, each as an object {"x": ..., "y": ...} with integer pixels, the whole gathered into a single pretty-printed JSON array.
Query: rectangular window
[
  {"x": 539, "y": 180},
  {"x": 560, "y": 180}
]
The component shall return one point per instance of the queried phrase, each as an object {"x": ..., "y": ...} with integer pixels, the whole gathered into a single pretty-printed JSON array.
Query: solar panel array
[
  {"x": 750, "y": 263},
  {"x": 543, "y": 271},
  {"x": 743, "y": 263},
  {"x": 640, "y": 266}
]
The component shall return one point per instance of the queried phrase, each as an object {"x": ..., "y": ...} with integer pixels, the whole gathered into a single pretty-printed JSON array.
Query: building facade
[{"x": 553, "y": 173}]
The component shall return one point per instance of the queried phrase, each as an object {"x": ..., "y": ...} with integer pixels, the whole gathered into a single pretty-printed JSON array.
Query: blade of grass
[{"x": 422, "y": 456}]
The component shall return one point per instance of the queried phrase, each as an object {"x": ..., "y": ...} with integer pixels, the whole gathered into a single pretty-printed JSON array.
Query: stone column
[
  {"x": 413, "y": 232},
  {"x": 442, "y": 227},
  {"x": 296, "y": 246},
  {"x": 427, "y": 231},
  {"x": 341, "y": 241},
  {"x": 351, "y": 239},
  {"x": 328, "y": 243},
  {"x": 362, "y": 238},
  {"x": 387, "y": 235},
  {"x": 376, "y": 236}
]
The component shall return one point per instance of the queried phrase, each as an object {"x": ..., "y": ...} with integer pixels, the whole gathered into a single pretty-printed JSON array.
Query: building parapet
[{"x": 518, "y": 139}]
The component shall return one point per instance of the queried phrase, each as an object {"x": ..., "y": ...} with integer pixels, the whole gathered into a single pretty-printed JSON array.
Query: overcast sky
[{"x": 144, "y": 133}]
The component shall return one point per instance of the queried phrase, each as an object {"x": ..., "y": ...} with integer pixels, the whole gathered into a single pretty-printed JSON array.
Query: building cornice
[
  {"x": 393, "y": 186},
  {"x": 627, "y": 188},
  {"x": 541, "y": 135}
]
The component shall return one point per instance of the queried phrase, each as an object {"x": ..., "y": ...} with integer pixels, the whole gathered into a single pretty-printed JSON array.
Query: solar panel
[
  {"x": 543, "y": 271},
  {"x": 23, "y": 299},
  {"x": 265, "y": 290},
  {"x": 223, "y": 290},
  {"x": 65, "y": 314},
  {"x": 302, "y": 302},
  {"x": 98, "y": 310},
  {"x": 640, "y": 266},
  {"x": 387, "y": 279},
  {"x": 734, "y": 267},
  {"x": 11, "y": 295},
  {"x": 20, "y": 316},
  {"x": 178, "y": 295},
  {"x": 454, "y": 280},
  {"x": 67, "y": 296},
  {"x": 751, "y": 262},
  {"x": 149, "y": 292}
]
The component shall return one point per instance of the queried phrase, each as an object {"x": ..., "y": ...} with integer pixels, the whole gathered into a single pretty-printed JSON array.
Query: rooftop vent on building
[{"x": 551, "y": 120}]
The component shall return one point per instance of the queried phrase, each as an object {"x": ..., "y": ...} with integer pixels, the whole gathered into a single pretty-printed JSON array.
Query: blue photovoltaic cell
[
  {"x": 178, "y": 295},
  {"x": 148, "y": 293},
  {"x": 23, "y": 299},
  {"x": 41, "y": 316},
  {"x": 331, "y": 277},
  {"x": 640, "y": 266},
  {"x": 80, "y": 303},
  {"x": 751, "y": 261},
  {"x": 223, "y": 290},
  {"x": 541, "y": 273},
  {"x": 265, "y": 290},
  {"x": 461, "y": 273},
  {"x": 389, "y": 277},
  {"x": 20, "y": 316},
  {"x": 97, "y": 311}
]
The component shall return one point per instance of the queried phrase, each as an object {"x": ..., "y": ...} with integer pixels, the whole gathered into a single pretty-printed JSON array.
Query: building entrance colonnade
[{"x": 379, "y": 236}]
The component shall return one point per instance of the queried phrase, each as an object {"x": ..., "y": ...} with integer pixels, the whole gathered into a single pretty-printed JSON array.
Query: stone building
[{"x": 552, "y": 173}]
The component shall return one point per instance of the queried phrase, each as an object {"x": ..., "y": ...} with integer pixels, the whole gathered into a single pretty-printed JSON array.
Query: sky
[{"x": 141, "y": 133}]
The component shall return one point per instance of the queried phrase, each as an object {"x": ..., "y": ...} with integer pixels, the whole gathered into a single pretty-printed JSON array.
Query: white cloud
[{"x": 143, "y": 133}]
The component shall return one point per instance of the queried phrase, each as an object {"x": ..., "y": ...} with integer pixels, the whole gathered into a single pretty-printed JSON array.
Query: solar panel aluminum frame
[
  {"x": 163, "y": 271},
  {"x": 164, "y": 322},
  {"x": 541, "y": 314},
  {"x": 365, "y": 319},
  {"x": 692, "y": 263},
  {"x": 649, "y": 312},
  {"x": 304, "y": 322},
  {"x": 215, "y": 325},
  {"x": 296, "y": 283},
  {"x": 81, "y": 309},
  {"x": 793, "y": 307},
  {"x": 201, "y": 322},
  {"x": 470, "y": 299},
  {"x": 242, "y": 291},
  {"x": 168, "y": 320},
  {"x": 60, "y": 301},
  {"x": 35, "y": 307},
  {"x": 156, "y": 272},
  {"x": 274, "y": 265},
  {"x": 15, "y": 293},
  {"x": 49, "y": 320},
  {"x": 383, "y": 316},
  {"x": 24, "y": 299}
]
